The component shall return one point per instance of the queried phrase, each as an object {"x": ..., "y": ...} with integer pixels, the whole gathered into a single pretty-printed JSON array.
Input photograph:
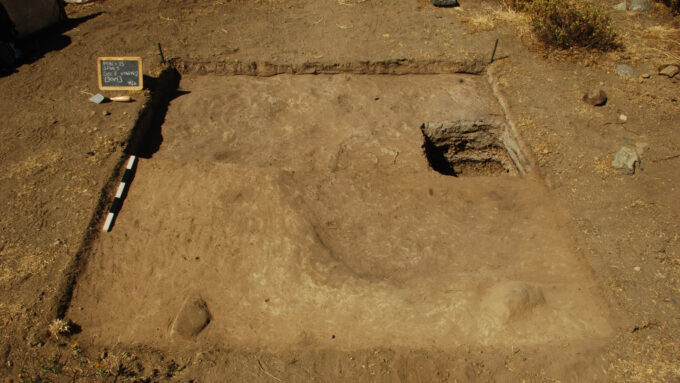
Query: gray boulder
[
  {"x": 626, "y": 160},
  {"x": 639, "y": 6}
]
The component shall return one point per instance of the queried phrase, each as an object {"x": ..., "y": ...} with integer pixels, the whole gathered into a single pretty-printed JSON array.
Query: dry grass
[
  {"x": 489, "y": 18},
  {"x": 657, "y": 44},
  {"x": 568, "y": 23},
  {"x": 59, "y": 328}
]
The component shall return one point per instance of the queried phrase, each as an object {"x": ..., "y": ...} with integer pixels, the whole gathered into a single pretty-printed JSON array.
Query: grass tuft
[{"x": 568, "y": 23}]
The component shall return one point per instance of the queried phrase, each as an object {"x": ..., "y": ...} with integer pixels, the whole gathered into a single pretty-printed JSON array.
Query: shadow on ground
[{"x": 34, "y": 47}]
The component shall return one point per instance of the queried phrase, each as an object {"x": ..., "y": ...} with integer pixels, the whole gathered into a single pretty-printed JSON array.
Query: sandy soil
[{"x": 599, "y": 246}]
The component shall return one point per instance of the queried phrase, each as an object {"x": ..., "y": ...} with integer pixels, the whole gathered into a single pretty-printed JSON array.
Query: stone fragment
[
  {"x": 639, "y": 6},
  {"x": 595, "y": 97},
  {"x": 192, "y": 318},
  {"x": 445, "y": 3},
  {"x": 625, "y": 70},
  {"x": 620, "y": 6},
  {"x": 97, "y": 98},
  {"x": 669, "y": 70},
  {"x": 626, "y": 160}
]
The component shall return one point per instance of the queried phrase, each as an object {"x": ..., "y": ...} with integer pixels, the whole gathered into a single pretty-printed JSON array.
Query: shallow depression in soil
[{"x": 304, "y": 213}]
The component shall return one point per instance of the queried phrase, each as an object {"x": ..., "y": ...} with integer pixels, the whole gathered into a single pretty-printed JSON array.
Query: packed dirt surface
[
  {"x": 290, "y": 206},
  {"x": 285, "y": 224}
]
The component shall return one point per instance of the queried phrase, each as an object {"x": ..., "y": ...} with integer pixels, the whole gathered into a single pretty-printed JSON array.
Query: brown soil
[
  {"x": 304, "y": 213},
  {"x": 287, "y": 186}
]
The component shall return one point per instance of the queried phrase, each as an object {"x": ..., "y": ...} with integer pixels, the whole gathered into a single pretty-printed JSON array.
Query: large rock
[
  {"x": 192, "y": 318},
  {"x": 626, "y": 160},
  {"x": 595, "y": 97},
  {"x": 639, "y": 6}
]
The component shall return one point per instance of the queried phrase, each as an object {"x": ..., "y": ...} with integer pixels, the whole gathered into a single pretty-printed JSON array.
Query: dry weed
[{"x": 59, "y": 328}]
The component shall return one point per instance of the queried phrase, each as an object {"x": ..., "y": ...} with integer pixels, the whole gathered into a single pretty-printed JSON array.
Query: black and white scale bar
[{"x": 118, "y": 200}]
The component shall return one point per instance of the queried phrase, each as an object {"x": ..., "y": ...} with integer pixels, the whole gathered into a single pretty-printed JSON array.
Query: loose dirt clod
[{"x": 512, "y": 300}]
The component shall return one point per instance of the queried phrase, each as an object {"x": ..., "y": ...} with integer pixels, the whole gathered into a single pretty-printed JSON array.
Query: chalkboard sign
[{"x": 119, "y": 73}]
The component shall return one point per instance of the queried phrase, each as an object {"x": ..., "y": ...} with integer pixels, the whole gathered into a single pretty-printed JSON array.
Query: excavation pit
[
  {"x": 301, "y": 212},
  {"x": 471, "y": 148}
]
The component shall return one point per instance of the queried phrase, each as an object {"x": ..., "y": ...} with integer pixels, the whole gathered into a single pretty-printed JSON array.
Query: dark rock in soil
[
  {"x": 445, "y": 3},
  {"x": 595, "y": 97}
]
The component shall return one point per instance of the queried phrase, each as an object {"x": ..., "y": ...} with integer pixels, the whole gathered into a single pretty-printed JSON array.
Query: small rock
[
  {"x": 620, "y": 6},
  {"x": 636, "y": 268},
  {"x": 646, "y": 75},
  {"x": 639, "y": 6},
  {"x": 106, "y": 113},
  {"x": 669, "y": 70},
  {"x": 595, "y": 97},
  {"x": 192, "y": 318},
  {"x": 625, "y": 70},
  {"x": 626, "y": 160},
  {"x": 445, "y": 3},
  {"x": 623, "y": 118},
  {"x": 97, "y": 98}
]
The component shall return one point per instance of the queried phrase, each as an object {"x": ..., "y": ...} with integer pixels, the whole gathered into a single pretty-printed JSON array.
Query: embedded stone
[
  {"x": 192, "y": 318},
  {"x": 595, "y": 97},
  {"x": 669, "y": 70},
  {"x": 445, "y": 3},
  {"x": 626, "y": 160}
]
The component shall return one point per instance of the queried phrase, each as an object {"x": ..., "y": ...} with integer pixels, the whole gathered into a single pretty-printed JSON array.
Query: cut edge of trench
[
  {"x": 473, "y": 65},
  {"x": 162, "y": 89}
]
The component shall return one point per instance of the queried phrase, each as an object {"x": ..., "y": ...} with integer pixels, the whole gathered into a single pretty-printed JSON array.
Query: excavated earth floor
[{"x": 302, "y": 211}]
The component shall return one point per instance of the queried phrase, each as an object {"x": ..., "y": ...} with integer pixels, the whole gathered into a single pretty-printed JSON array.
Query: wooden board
[{"x": 120, "y": 73}]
